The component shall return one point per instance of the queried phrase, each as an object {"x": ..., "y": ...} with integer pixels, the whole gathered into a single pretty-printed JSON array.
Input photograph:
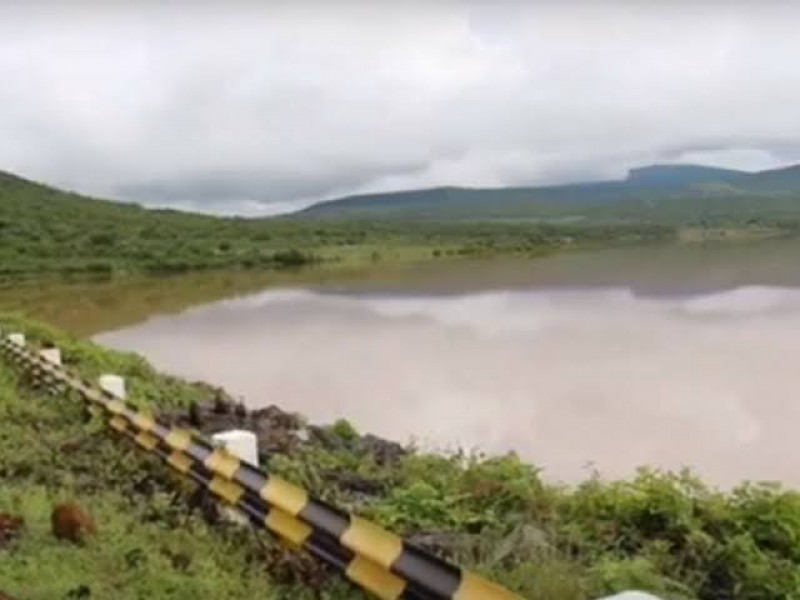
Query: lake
[{"x": 665, "y": 355}]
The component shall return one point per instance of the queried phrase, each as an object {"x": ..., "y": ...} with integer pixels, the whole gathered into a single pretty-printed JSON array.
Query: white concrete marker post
[
  {"x": 51, "y": 355},
  {"x": 243, "y": 444},
  {"x": 239, "y": 442},
  {"x": 114, "y": 385}
]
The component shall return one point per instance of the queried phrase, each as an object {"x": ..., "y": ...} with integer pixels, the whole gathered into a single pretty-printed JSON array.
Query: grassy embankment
[{"x": 666, "y": 533}]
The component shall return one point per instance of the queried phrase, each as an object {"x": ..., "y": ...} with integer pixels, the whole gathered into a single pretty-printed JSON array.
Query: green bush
[
  {"x": 291, "y": 258},
  {"x": 344, "y": 430}
]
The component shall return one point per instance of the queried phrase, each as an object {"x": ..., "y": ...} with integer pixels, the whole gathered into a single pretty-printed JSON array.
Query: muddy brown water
[{"x": 669, "y": 356}]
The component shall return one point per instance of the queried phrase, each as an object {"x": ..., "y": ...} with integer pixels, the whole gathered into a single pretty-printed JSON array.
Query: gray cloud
[{"x": 251, "y": 108}]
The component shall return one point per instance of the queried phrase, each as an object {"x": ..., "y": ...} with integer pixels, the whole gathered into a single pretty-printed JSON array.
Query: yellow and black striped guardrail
[{"x": 375, "y": 559}]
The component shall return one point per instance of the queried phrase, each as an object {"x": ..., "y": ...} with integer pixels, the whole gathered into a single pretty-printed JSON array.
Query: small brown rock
[
  {"x": 10, "y": 528},
  {"x": 277, "y": 418},
  {"x": 71, "y": 522}
]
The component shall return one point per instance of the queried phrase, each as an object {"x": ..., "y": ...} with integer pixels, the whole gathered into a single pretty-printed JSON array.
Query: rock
[
  {"x": 222, "y": 403},
  {"x": 214, "y": 423},
  {"x": 71, "y": 522},
  {"x": 10, "y": 528},
  {"x": 277, "y": 418},
  {"x": 277, "y": 430},
  {"x": 325, "y": 438},
  {"x": 274, "y": 429},
  {"x": 383, "y": 451},
  {"x": 278, "y": 441}
]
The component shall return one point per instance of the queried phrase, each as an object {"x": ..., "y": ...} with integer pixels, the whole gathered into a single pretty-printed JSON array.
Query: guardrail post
[
  {"x": 113, "y": 384},
  {"x": 244, "y": 445},
  {"x": 240, "y": 442},
  {"x": 51, "y": 355},
  {"x": 17, "y": 338}
]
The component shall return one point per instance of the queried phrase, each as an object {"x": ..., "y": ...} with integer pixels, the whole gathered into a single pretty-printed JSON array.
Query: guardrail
[{"x": 373, "y": 558}]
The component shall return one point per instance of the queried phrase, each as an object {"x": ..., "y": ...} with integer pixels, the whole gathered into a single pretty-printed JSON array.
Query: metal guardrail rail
[{"x": 373, "y": 558}]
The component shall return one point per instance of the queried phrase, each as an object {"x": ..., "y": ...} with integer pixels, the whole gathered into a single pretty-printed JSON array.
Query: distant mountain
[
  {"x": 682, "y": 175},
  {"x": 684, "y": 189},
  {"x": 786, "y": 180}
]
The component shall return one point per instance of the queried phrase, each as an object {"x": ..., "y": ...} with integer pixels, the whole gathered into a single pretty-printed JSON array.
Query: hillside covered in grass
[
  {"x": 666, "y": 533},
  {"x": 48, "y": 231},
  {"x": 670, "y": 195}
]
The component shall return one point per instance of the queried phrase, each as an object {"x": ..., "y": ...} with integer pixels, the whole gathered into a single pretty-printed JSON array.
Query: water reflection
[
  {"x": 86, "y": 308},
  {"x": 565, "y": 378}
]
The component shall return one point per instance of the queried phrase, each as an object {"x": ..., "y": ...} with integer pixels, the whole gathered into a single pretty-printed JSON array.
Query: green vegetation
[
  {"x": 673, "y": 196},
  {"x": 45, "y": 231},
  {"x": 149, "y": 545},
  {"x": 667, "y": 533}
]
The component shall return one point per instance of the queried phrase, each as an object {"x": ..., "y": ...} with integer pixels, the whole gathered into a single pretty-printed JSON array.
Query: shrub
[{"x": 291, "y": 258}]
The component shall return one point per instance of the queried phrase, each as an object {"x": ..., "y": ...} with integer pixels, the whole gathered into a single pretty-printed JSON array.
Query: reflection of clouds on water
[
  {"x": 744, "y": 301},
  {"x": 563, "y": 377}
]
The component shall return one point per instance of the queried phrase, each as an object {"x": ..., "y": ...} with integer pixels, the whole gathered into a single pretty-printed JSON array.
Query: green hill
[
  {"x": 676, "y": 194},
  {"x": 787, "y": 180},
  {"x": 44, "y": 230},
  {"x": 681, "y": 175}
]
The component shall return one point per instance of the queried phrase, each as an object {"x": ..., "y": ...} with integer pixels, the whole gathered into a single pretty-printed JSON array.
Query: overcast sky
[{"x": 246, "y": 108}]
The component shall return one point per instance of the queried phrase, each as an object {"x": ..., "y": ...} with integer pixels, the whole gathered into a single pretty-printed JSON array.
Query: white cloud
[{"x": 220, "y": 107}]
